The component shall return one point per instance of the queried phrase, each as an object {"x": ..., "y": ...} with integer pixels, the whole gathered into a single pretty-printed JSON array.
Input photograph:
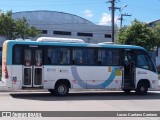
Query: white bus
[{"x": 60, "y": 64}]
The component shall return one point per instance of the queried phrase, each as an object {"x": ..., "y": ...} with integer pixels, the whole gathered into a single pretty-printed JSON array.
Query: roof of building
[
  {"x": 153, "y": 23},
  {"x": 53, "y": 16}
]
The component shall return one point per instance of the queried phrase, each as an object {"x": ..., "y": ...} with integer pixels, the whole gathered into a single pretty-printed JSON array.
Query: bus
[{"x": 61, "y": 64}]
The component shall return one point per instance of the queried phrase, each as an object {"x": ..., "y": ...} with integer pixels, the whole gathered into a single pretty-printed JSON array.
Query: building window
[
  {"x": 107, "y": 36},
  {"x": 44, "y": 31},
  {"x": 85, "y": 34},
  {"x": 62, "y": 32}
]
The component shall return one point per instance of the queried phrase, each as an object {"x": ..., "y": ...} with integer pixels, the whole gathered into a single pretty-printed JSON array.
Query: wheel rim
[
  {"x": 142, "y": 88},
  {"x": 61, "y": 89}
]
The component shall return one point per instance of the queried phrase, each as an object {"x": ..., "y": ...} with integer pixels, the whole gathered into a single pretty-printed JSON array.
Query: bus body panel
[
  {"x": 96, "y": 77},
  {"x": 80, "y": 76},
  {"x": 142, "y": 74},
  {"x": 7, "y": 82},
  {"x": 83, "y": 77},
  {"x": 17, "y": 76},
  {"x": 50, "y": 77}
]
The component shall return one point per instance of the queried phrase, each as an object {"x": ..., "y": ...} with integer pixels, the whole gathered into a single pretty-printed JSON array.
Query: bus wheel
[
  {"x": 141, "y": 89},
  {"x": 52, "y": 91},
  {"x": 127, "y": 90},
  {"x": 61, "y": 89}
]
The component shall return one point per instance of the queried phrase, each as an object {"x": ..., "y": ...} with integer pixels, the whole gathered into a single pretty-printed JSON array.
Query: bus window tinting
[
  {"x": 0, "y": 57},
  {"x": 84, "y": 56},
  {"x": 108, "y": 57},
  {"x": 38, "y": 57},
  {"x": 143, "y": 61},
  {"x": 58, "y": 56},
  {"x": 17, "y": 57}
]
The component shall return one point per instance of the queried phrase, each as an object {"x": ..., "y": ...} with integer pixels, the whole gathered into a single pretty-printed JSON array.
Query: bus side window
[
  {"x": 51, "y": 58},
  {"x": 85, "y": 56},
  {"x": 144, "y": 62},
  {"x": 64, "y": 56},
  {"x": 108, "y": 57},
  {"x": 27, "y": 57},
  {"x": 77, "y": 56},
  {"x": 17, "y": 55},
  {"x": 1, "y": 57},
  {"x": 58, "y": 56}
]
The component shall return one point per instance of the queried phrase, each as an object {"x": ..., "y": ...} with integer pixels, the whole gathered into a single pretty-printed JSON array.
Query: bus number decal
[{"x": 51, "y": 70}]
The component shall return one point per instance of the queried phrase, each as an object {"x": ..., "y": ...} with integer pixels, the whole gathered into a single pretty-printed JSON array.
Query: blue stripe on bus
[
  {"x": 84, "y": 85},
  {"x": 13, "y": 42}
]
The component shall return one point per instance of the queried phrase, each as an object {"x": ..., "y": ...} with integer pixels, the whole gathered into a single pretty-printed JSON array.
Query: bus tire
[
  {"x": 61, "y": 89},
  {"x": 52, "y": 91},
  {"x": 141, "y": 89}
]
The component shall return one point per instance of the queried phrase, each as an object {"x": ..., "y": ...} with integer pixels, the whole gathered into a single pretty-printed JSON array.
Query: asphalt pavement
[{"x": 3, "y": 89}]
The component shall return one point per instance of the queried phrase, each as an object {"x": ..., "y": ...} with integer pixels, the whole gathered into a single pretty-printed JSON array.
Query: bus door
[
  {"x": 129, "y": 69},
  {"x": 32, "y": 67}
]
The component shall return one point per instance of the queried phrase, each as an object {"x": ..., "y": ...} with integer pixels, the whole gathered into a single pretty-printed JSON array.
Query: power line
[{"x": 142, "y": 8}]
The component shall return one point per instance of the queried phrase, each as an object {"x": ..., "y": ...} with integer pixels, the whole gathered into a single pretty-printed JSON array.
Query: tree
[
  {"x": 7, "y": 25},
  {"x": 157, "y": 34},
  {"x": 12, "y": 29},
  {"x": 22, "y": 29},
  {"x": 33, "y": 32},
  {"x": 137, "y": 34}
]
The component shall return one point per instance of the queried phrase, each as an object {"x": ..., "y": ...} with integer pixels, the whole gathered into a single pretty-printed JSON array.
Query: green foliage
[
  {"x": 137, "y": 34},
  {"x": 32, "y": 31},
  {"x": 13, "y": 29},
  {"x": 7, "y": 25},
  {"x": 24, "y": 31},
  {"x": 157, "y": 33}
]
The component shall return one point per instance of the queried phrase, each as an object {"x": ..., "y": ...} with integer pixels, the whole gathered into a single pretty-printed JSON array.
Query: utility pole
[
  {"x": 121, "y": 18},
  {"x": 113, "y": 20},
  {"x": 112, "y": 8}
]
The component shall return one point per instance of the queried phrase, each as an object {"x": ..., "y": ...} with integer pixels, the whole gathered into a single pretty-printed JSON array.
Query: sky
[{"x": 95, "y": 11}]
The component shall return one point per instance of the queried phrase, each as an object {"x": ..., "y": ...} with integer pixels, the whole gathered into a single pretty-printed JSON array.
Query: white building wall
[{"x": 59, "y": 21}]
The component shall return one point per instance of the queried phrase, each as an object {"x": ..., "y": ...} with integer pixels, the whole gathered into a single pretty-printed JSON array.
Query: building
[
  {"x": 153, "y": 23},
  {"x": 60, "y": 24}
]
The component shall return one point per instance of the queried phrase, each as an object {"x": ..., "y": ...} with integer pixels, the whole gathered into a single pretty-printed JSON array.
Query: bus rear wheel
[
  {"x": 142, "y": 89},
  {"x": 61, "y": 89}
]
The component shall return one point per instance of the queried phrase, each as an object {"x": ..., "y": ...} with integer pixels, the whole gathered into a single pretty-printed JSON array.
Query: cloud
[
  {"x": 106, "y": 19},
  {"x": 88, "y": 13}
]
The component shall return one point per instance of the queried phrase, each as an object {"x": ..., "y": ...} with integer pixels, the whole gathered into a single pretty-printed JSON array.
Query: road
[{"x": 81, "y": 101}]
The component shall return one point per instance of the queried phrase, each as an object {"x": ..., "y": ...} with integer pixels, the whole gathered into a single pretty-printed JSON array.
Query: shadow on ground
[{"x": 46, "y": 96}]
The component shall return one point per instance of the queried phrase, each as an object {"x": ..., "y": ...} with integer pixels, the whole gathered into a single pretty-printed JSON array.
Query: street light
[
  {"x": 123, "y": 7},
  {"x": 121, "y": 15}
]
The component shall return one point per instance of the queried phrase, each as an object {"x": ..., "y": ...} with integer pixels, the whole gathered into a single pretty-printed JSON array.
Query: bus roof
[
  {"x": 54, "y": 39},
  {"x": 72, "y": 44}
]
